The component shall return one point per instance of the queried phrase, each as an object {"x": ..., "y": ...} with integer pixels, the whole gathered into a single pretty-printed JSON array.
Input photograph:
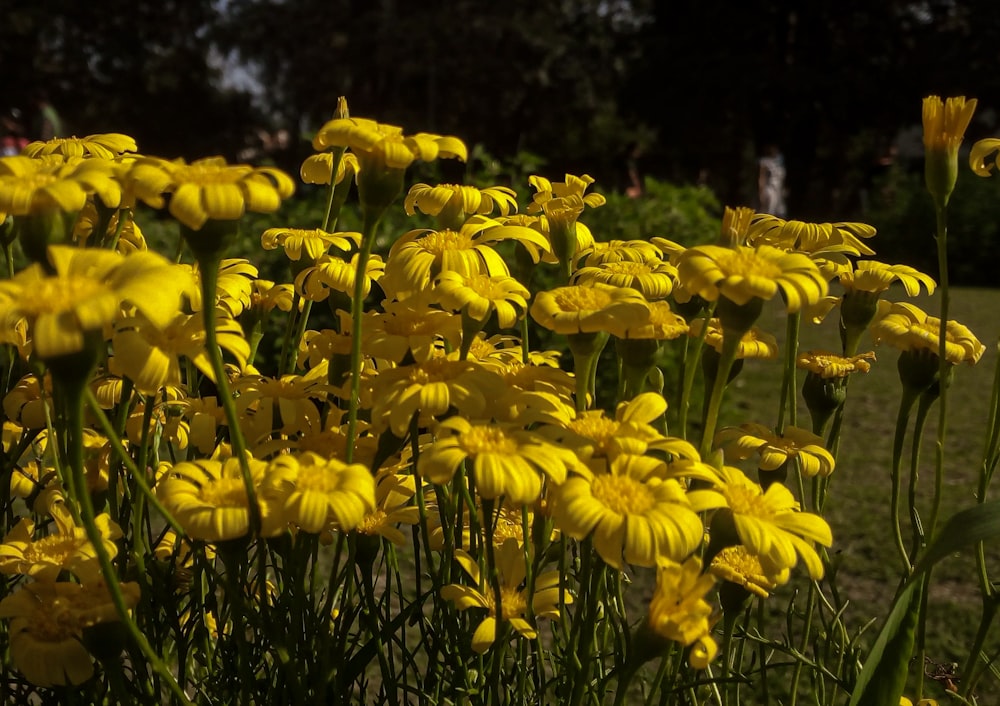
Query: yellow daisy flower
[
  {"x": 830, "y": 365},
  {"x": 150, "y": 357},
  {"x": 945, "y": 122},
  {"x": 130, "y": 237},
  {"x": 48, "y": 622},
  {"x": 809, "y": 237},
  {"x": 85, "y": 294},
  {"x": 25, "y": 403},
  {"x": 546, "y": 191},
  {"x": 65, "y": 549},
  {"x": 769, "y": 523},
  {"x": 775, "y": 451},
  {"x": 540, "y": 223},
  {"x": 280, "y": 405},
  {"x": 755, "y": 343},
  {"x": 107, "y": 146},
  {"x": 505, "y": 460},
  {"x": 53, "y": 183},
  {"x": 453, "y": 203},
  {"x": 871, "y": 276},
  {"x": 513, "y": 598},
  {"x": 590, "y": 309},
  {"x": 980, "y": 159},
  {"x": 234, "y": 290},
  {"x": 410, "y": 326},
  {"x": 678, "y": 610},
  {"x": 654, "y": 279},
  {"x": 318, "y": 168},
  {"x": 909, "y": 328},
  {"x": 417, "y": 258},
  {"x": 431, "y": 388},
  {"x": 620, "y": 251},
  {"x": 393, "y": 506},
  {"x": 630, "y": 512},
  {"x": 312, "y": 492},
  {"x": 209, "y": 500},
  {"x": 334, "y": 273},
  {"x": 209, "y": 189},
  {"x": 663, "y": 324},
  {"x": 738, "y": 565},
  {"x": 480, "y": 295},
  {"x": 315, "y": 242},
  {"x": 742, "y": 273}
]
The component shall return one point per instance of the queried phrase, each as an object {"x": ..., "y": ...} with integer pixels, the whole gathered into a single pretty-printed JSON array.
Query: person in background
[
  {"x": 771, "y": 182},
  {"x": 13, "y": 139},
  {"x": 47, "y": 123}
]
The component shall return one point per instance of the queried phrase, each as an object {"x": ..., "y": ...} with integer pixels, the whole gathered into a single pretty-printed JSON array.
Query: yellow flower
[
  {"x": 980, "y": 152},
  {"x": 334, "y": 273},
  {"x": 453, "y": 203},
  {"x": 654, "y": 279},
  {"x": 431, "y": 388},
  {"x": 584, "y": 241},
  {"x": 830, "y": 365},
  {"x": 314, "y": 242},
  {"x": 280, "y": 405},
  {"x": 755, "y": 343},
  {"x": 318, "y": 168},
  {"x": 66, "y": 549},
  {"x": 86, "y": 294},
  {"x": 769, "y": 523},
  {"x": 417, "y": 258},
  {"x": 25, "y": 403},
  {"x": 505, "y": 460},
  {"x": 909, "y": 328},
  {"x": 104, "y": 146},
  {"x": 600, "y": 253},
  {"x": 383, "y": 154},
  {"x": 53, "y": 183},
  {"x": 589, "y": 309},
  {"x": 312, "y": 491},
  {"x": 774, "y": 451},
  {"x": 513, "y": 598},
  {"x": 810, "y": 237},
  {"x": 210, "y": 189},
  {"x": 130, "y": 237},
  {"x": 663, "y": 324},
  {"x": 409, "y": 326},
  {"x": 945, "y": 123},
  {"x": 48, "y": 626},
  {"x": 738, "y": 565},
  {"x": 150, "y": 357},
  {"x": 735, "y": 226},
  {"x": 872, "y": 276},
  {"x": 209, "y": 500},
  {"x": 393, "y": 506},
  {"x": 742, "y": 273},
  {"x": 630, "y": 512},
  {"x": 678, "y": 610},
  {"x": 234, "y": 291},
  {"x": 546, "y": 191},
  {"x": 480, "y": 295}
]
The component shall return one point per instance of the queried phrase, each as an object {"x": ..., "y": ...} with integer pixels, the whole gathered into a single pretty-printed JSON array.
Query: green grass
[{"x": 858, "y": 506}]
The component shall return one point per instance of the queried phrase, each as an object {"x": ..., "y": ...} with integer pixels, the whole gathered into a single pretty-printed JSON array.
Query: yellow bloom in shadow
[
  {"x": 742, "y": 567},
  {"x": 874, "y": 277},
  {"x": 109, "y": 146},
  {"x": 590, "y": 308},
  {"x": 49, "y": 622},
  {"x": 54, "y": 183},
  {"x": 678, "y": 610},
  {"x": 830, "y": 365},
  {"x": 909, "y": 328},
  {"x": 774, "y": 451},
  {"x": 513, "y": 597}
]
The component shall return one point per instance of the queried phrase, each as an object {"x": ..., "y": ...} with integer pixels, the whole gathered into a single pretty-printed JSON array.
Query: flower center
[
  {"x": 597, "y": 428},
  {"x": 746, "y": 263},
  {"x": 582, "y": 299},
  {"x": 225, "y": 492},
  {"x": 627, "y": 267},
  {"x": 54, "y": 549},
  {"x": 747, "y": 499},
  {"x": 438, "y": 242},
  {"x": 372, "y": 522},
  {"x": 623, "y": 495},
  {"x": 480, "y": 440}
]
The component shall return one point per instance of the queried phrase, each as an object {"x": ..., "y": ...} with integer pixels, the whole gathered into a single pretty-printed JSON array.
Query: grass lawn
[{"x": 858, "y": 506}]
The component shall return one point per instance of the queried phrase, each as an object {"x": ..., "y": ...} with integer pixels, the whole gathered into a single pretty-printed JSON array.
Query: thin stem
[
  {"x": 368, "y": 230},
  {"x": 788, "y": 392},
  {"x": 730, "y": 344},
  {"x": 908, "y": 398}
]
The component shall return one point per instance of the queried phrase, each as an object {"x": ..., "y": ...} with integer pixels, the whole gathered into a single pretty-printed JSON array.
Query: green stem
[
  {"x": 209, "y": 266},
  {"x": 919, "y": 424},
  {"x": 908, "y": 398},
  {"x": 788, "y": 391},
  {"x": 368, "y": 231},
  {"x": 730, "y": 344},
  {"x": 691, "y": 365}
]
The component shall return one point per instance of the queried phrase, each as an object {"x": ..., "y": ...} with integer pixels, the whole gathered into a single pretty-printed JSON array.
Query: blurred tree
[{"x": 124, "y": 66}]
